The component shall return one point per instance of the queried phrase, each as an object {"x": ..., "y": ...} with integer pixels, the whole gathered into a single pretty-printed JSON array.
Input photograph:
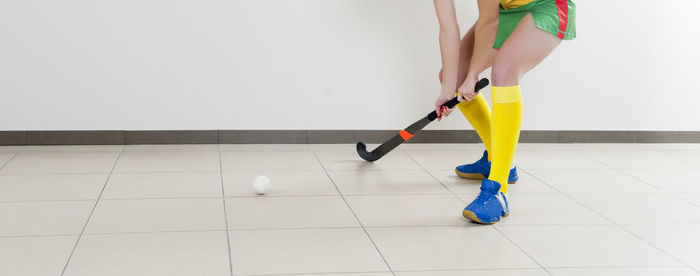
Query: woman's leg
[
  {"x": 526, "y": 47},
  {"x": 476, "y": 111}
]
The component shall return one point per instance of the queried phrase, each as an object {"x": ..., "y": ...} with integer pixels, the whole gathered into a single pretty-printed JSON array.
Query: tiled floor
[{"x": 579, "y": 209}]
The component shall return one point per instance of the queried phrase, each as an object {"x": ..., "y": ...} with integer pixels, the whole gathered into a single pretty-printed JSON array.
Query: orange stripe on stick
[
  {"x": 405, "y": 135},
  {"x": 563, "y": 10}
]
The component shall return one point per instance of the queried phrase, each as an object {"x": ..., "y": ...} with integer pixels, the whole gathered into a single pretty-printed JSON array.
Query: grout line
[
  {"x": 673, "y": 193},
  {"x": 466, "y": 270},
  {"x": 619, "y": 226},
  {"x": 473, "y": 269},
  {"x": 52, "y": 173},
  {"x": 325, "y": 273},
  {"x": 82, "y": 231},
  {"x": 435, "y": 178},
  {"x": 153, "y": 232},
  {"x": 676, "y": 158},
  {"x": 8, "y": 160},
  {"x": 38, "y": 236},
  {"x": 46, "y": 200},
  {"x": 223, "y": 201},
  {"x": 13, "y": 157},
  {"x": 492, "y": 226},
  {"x": 354, "y": 214},
  {"x": 308, "y": 195},
  {"x": 315, "y": 228},
  {"x": 522, "y": 250},
  {"x": 686, "y": 200}
]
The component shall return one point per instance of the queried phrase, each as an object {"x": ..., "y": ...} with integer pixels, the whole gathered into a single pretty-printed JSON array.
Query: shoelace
[{"x": 484, "y": 196}]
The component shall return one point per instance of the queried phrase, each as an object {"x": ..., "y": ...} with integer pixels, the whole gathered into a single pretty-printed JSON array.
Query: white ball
[{"x": 261, "y": 184}]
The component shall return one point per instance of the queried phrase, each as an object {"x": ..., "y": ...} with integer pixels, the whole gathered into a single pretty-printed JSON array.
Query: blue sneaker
[
  {"x": 489, "y": 206},
  {"x": 481, "y": 169}
]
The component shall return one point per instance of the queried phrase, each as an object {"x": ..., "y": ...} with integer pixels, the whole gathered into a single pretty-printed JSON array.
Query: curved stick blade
[{"x": 362, "y": 151}]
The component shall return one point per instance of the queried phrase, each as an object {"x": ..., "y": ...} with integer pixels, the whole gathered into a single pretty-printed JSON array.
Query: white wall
[{"x": 322, "y": 64}]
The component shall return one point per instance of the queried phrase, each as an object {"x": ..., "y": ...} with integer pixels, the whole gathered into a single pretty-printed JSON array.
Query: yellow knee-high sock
[
  {"x": 478, "y": 114},
  {"x": 505, "y": 124}
]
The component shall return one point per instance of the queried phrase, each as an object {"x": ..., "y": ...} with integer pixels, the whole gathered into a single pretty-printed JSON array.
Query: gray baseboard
[{"x": 128, "y": 137}]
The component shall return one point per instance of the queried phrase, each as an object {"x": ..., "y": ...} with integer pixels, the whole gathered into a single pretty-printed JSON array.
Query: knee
[{"x": 504, "y": 74}]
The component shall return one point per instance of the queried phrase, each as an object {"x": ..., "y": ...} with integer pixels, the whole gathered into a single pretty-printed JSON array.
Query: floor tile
[
  {"x": 672, "y": 180},
  {"x": 554, "y": 160},
  {"x": 693, "y": 198},
  {"x": 347, "y": 274},
  {"x": 688, "y": 155},
  {"x": 5, "y": 157},
  {"x": 288, "y": 212},
  {"x": 386, "y": 182},
  {"x": 33, "y": 187},
  {"x": 592, "y": 181},
  {"x": 35, "y": 255},
  {"x": 456, "y": 183},
  {"x": 172, "y": 148},
  {"x": 443, "y": 147},
  {"x": 637, "y": 159},
  {"x": 152, "y": 215},
  {"x": 447, "y": 248},
  {"x": 163, "y": 185},
  {"x": 44, "y": 218},
  {"x": 494, "y": 272},
  {"x": 525, "y": 185},
  {"x": 624, "y": 271},
  {"x": 669, "y": 146},
  {"x": 281, "y": 183},
  {"x": 549, "y": 146},
  {"x": 264, "y": 147},
  {"x": 443, "y": 160},
  {"x": 61, "y": 162},
  {"x": 600, "y": 146},
  {"x": 11, "y": 149},
  {"x": 74, "y": 148},
  {"x": 151, "y": 254},
  {"x": 585, "y": 246},
  {"x": 407, "y": 210},
  {"x": 678, "y": 240},
  {"x": 546, "y": 209},
  {"x": 171, "y": 161},
  {"x": 270, "y": 161},
  {"x": 338, "y": 147},
  {"x": 641, "y": 208},
  {"x": 348, "y": 160},
  {"x": 303, "y": 251}
]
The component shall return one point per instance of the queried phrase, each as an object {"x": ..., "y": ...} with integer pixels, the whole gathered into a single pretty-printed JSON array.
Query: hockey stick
[{"x": 411, "y": 130}]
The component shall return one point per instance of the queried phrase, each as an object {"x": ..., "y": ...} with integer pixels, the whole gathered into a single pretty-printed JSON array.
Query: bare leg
[{"x": 524, "y": 49}]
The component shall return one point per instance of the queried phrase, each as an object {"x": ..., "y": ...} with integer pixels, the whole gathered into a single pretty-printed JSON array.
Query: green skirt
[{"x": 557, "y": 17}]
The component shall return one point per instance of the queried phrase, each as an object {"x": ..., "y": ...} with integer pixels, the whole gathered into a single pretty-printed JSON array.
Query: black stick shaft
[{"x": 411, "y": 130}]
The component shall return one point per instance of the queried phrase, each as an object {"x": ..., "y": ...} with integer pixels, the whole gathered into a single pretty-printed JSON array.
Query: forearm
[
  {"x": 449, "y": 50},
  {"x": 485, "y": 35}
]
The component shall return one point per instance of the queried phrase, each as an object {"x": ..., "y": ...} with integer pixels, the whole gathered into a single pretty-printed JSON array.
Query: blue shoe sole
[{"x": 471, "y": 216}]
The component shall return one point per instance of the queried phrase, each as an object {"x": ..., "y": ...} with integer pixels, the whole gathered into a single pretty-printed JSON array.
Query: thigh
[{"x": 524, "y": 49}]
